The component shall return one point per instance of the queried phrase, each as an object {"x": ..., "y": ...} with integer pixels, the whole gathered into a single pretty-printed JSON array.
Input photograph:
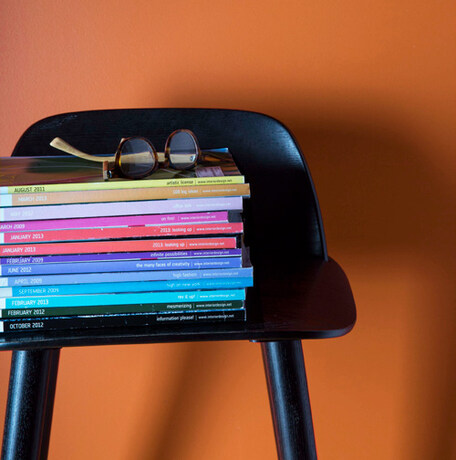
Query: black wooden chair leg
[
  {"x": 289, "y": 400},
  {"x": 30, "y": 404}
]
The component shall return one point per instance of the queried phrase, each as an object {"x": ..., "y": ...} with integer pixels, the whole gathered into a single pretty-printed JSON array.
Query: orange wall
[{"x": 369, "y": 90}]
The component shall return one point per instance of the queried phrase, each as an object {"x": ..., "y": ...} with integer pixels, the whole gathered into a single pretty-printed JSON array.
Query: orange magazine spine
[{"x": 139, "y": 194}]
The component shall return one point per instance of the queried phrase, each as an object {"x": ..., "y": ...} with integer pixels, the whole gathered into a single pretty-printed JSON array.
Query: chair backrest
[{"x": 283, "y": 225}]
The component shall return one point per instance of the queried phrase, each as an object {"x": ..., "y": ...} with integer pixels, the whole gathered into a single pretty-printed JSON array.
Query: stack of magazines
[{"x": 77, "y": 252}]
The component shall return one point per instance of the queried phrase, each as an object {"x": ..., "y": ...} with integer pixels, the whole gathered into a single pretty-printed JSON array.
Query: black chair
[{"x": 299, "y": 293}]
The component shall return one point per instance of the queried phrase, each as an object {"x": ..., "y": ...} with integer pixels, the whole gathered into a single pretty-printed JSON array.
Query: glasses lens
[
  {"x": 137, "y": 157},
  {"x": 183, "y": 150}
]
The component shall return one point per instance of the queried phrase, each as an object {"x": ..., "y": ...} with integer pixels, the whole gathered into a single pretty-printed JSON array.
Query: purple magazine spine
[
  {"x": 120, "y": 208},
  {"x": 119, "y": 256}
]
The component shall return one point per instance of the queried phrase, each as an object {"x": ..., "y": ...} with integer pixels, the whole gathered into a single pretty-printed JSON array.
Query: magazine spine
[
  {"x": 121, "y": 320},
  {"x": 121, "y": 208},
  {"x": 118, "y": 246},
  {"x": 116, "y": 221},
  {"x": 139, "y": 194},
  {"x": 121, "y": 266},
  {"x": 120, "y": 256},
  {"x": 119, "y": 309},
  {"x": 85, "y": 300},
  {"x": 133, "y": 286},
  {"x": 42, "y": 312},
  {"x": 121, "y": 232},
  {"x": 117, "y": 277},
  {"x": 122, "y": 185}
]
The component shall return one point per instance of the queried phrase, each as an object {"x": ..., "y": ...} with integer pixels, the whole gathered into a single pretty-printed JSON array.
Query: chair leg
[
  {"x": 30, "y": 404},
  {"x": 289, "y": 400}
]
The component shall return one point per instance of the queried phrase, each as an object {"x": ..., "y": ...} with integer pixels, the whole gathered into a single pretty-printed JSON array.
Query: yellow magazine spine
[{"x": 118, "y": 185}]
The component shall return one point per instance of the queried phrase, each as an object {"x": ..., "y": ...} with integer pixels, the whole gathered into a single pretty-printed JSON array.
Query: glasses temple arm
[{"x": 60, "y": 144}]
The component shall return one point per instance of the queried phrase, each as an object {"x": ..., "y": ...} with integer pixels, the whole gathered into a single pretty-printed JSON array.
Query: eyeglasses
[{"x": 136, "y": 157}]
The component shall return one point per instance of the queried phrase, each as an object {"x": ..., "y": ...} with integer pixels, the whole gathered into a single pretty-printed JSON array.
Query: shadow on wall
[
  {"x": 382, "y": 200},
  {"x": 378, "y": 197},
  {"x": 374, "y": 181}
]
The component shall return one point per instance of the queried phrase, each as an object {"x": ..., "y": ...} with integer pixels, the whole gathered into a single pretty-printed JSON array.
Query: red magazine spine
[
  {"x": 118, "y": 246},
  {"x": 120, "y": 232}
]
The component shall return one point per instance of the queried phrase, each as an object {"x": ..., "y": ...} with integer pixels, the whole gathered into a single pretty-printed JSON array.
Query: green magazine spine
[{"x": 8, "y": 313}]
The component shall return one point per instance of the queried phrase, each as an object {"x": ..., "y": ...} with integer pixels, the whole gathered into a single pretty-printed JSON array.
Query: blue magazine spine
[
  {"x": 117, "y": 277},
  {"x": 83, "y": 300},
  {"x": 121, "y": 266},
  {"x": 134, "y": 286}
]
